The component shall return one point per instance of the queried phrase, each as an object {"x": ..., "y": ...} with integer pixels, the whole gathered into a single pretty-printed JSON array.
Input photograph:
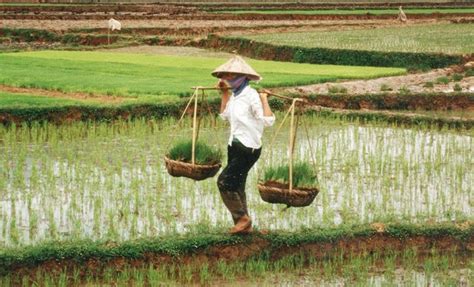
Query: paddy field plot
[
  {"x": 436, "y": 38},
  {"x": 17, "y": 100},
  {"x": 154, "y": 78},
  {"x": 108, "y": 180},
  {"x": 408, "y": 268}
]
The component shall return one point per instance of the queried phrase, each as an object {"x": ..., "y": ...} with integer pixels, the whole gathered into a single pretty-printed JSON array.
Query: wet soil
[
  {"x": 67, "y": 24},
  {"x": 414, "y": 83},
  {"x": 169, "y": 50},
  {"x": 322, "y": 6},
  {"x": 191, "y": 16}
]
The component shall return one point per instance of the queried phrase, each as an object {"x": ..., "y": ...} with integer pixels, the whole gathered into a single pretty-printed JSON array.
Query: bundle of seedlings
[
  {"x": 206, "y": 163},
  {"x": 276, "y": 186}
]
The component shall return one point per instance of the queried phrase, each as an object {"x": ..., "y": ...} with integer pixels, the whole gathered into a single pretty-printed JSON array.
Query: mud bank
[{"x": 93, "y": 257}]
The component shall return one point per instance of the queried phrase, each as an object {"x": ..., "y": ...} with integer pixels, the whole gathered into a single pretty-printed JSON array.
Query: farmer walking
[{"x": 248, "y": 113}]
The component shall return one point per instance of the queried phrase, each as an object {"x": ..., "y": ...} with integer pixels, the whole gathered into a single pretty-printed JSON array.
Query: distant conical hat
[{"x": 237, "y": 65}]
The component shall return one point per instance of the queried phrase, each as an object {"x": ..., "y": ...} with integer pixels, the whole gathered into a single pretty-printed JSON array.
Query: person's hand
[
  {"x": 222, "y": 85},
  {"x": 263, "y": 95}
]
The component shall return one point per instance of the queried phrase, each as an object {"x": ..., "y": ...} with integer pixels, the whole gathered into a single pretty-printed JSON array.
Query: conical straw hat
[{"x": 237, "y": 65}]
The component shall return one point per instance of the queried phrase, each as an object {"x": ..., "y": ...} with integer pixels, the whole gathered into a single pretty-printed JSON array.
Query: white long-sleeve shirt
[{"x": 245, "y": 115}]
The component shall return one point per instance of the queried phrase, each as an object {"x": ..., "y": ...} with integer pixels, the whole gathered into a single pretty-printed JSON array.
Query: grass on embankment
[
  {"x": 31, "y": 109},
  {"x": 154, "y": 76},
  {"x": 436, "y": 38},
  {"x": 352, "y": 11},
  {"x": 393, "y": 269},
  {"x": 80, "y": 251}
]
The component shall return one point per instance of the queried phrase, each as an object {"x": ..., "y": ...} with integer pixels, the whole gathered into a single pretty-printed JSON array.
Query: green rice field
[
  {"x": 153, "y": 78},
  {"x": 406, "y": 269},
  {"x": 108, "y": 180},
  {"x": 433, "y": 38},
  {"x": 462, "y": 114},
  {"x": 90, "y": 203},
  {"x": 16, "y": 100}
]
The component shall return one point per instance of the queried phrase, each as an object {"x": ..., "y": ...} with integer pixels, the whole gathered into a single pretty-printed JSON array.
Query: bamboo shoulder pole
[
  {"x": 193, "y": 150},
  {"x": 260, "y": 91},
  {"x": 290, "y": 150},
  {"x": 292, "y": 141}
]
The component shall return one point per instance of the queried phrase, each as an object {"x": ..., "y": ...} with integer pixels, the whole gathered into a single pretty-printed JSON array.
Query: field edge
[{"x": 214, "y": 245}]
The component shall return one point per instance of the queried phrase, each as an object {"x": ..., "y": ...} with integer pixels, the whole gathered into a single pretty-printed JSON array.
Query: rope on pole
[{"x": 180, "y": 119}]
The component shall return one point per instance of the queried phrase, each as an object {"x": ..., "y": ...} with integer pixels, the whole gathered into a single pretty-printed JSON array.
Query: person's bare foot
[{"x": 243, "y": 226}]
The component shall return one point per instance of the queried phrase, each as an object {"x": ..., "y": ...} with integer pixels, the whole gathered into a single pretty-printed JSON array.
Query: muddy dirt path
[
  {"x": 169, "y": 50},
  {"x": 85, "y": 97},
  {"x": 213, "y": 16},
  {"x": 414, "y": 83},
  {"x": 178, "y": 24}
]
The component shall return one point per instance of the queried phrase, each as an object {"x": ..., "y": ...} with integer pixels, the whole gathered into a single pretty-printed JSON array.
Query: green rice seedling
[
  {"x": 428, "y": 85},
  {"x": 225, "y": 271},
  {"x": 303, "y": 175},
  {"x": 385, "y": 87},
  {"x": 457, "y": 87},
  {"x": 152, "y": 276},
  {"x": 404, "y": 90},
  {"x": 185, "y": 273},
  {"x": 469, "y": 72},
  {"x": 443, "y": 80},
  {"x": 204, "y": 154},
  {"x": 415, "y": 39},
  {"x": 146, "y": 78},
  {"x": 456, "y": 77},
  {"x": 138, "y": 277},
  {"x": 63, "y": 279},
  {"x": 6, "y": 280},
  {"x": 337, "y": 89},
  {"x": 124, "y": 277},
  {"x": 91, "y": 173},
  {"x": 204, "y": 274}
]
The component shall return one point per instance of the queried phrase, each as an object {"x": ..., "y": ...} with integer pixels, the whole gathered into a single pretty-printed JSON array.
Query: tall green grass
[
  {"x": 204, "y": 154},
  {"x": 303, "y": 175}
]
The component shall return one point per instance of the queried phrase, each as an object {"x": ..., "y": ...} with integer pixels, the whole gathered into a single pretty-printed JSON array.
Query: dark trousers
[{"x": 231, "y": 181}]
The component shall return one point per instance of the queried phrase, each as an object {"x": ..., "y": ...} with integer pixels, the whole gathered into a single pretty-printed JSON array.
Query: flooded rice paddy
[
  {"x": 407, "y": 268},
  {"x": 108, "y": 180}
]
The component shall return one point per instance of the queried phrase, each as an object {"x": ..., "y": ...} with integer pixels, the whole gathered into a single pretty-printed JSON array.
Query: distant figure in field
[
  {"x": 401, "y": 15},
  {"x": 114, "y": 24}
]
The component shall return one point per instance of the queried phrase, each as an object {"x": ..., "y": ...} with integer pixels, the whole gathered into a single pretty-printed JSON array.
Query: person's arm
[
  {"x": 267, "y": 111},
  {"x": 261, "y": 109},
  {"x": 225, "y": 95}
]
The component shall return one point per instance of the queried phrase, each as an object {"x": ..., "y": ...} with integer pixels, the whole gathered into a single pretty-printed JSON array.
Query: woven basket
[
  {"x": 194, "y": 171},
  {"x": 275, "y": 192}
]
